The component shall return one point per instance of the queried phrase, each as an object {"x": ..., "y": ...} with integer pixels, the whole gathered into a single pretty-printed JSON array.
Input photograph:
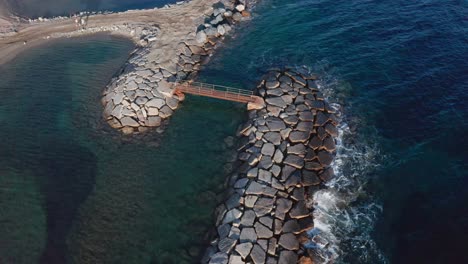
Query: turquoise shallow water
[
  {"x": 69, "y": 188},
  {"x": 73, "y": 191}
]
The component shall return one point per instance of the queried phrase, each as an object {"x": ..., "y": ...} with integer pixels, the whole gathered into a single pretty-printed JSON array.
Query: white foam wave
[{"x": 344, "y": 214}]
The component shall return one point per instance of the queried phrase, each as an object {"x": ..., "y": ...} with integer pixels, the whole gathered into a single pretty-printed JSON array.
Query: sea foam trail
[{"x": 343, "y": 220}]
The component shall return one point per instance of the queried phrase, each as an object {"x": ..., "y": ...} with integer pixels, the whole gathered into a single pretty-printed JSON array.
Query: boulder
[
  {"x": 289, "y": 241},
  {"x": 248, "y": 235},
  {"x": 248, "y": 218},
  {"x": 226, "y": 245},
  {"x": 165, "y": 112},
  {"x": 232, "y": 215},
  {"x": 273, "y": 137},
  {"x": 154, "y": 121},
  {"x": 299, "y": 136},
  {"x": 201, "y": 37},
  {"x": 276, "y": 125},
  {"x": 156, "y": 103},
  {"x": 276, "y": 101},
  {"x": 263, "y": 231},
  {"x": 331, "y": 129},
  {"x": 240, "y": 8},
  {"x": 294, "y": 161},
  {"x": 268, "y": 149},
  {"x": 165, "y": 88},
  {"x": 244, "y": 249},
  {"x": 325, "y": 158},
  {"x": 219, "y": 258},
  {"x": 258, "y": 255},
  {"x": 172, "y": 102},
  {"x": 287, "y": 257},
  {"x": 299, "y": 210},
  {"x": 128, "y": 121},
  {"x": 282, "y": 207}
]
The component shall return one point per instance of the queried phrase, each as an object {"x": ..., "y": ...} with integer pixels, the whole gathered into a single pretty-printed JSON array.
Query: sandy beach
[{"x": 173, "y": 22}]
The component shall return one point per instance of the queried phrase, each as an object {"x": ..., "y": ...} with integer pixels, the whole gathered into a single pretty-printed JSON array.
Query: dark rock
[
  {"x": 297, "y": 149},
  {"x": 226, "y": 245},
  {"x": 272, "y": 84},
  {"x": 272, "y": 246},
  {"x": 327, "y": 174},
  {"x": 248, "y": 218},
  {"x": 294, "y": 161},
  {"x": 248, "y": 235},
  {"x": 278, "y": 157},
  {"x": 329, "y": 144},
  {"x": 219, "y": 258},
  {"x": 305, "y": 126},
  {"x": 325, "y": 157},
  {"x": 305, "y": 224},
  {"x": 321, "y": 133},
  {"x": 223, "y": 230},
  {"x": 315, "y": 142},
  {"x": 244, "y": 249},
  {"x": 267, "y": 221},
  {"x": 276, "y": 101},
  {"x": 265, "y": 162},
  {"x": 310, "y": 155},
  {"x": 268, "y": 149},
  {"x": 313, "y": 165},
  {"x": 282, "y": 208},
  {"x": 291, "y": 226},
  {"x": 273, "y": 137},
  {"x": 264, "y": 176},
  {"x": 276, "y": 125},
  {"x": 293, "y": 180},
  {"x": 258, "y": 255},
  {"x": 299, "y": 210},
  {"x": 286, "y": 172},
  {"x": 314, "y": 104},
  {"x": 299, "y": 136},
  {"x": 263, "y": 206},
  {"x": 128, "y": 121},
  {"x": 309, "y": 178},
  {"x": 262, "y": 231},
  {"x": 331, "y": 129},
  {"x": 287, "y": 257},
  {"x": 306, "y": 116},
  {"x": 289, "y": 241},
  {"x": 291, "y": 120},
  {"x": 298, "y": 194},
  {"x": 322, "y": 118}
]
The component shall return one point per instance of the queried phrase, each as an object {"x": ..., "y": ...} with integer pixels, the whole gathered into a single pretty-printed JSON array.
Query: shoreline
[{"x": 171, "y": 45}]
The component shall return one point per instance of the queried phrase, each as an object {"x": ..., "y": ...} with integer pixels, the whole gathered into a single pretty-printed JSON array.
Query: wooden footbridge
[{"x": 220, "y": 92}]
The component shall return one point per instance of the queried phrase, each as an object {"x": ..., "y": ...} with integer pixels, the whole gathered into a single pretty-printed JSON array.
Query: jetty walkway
[{"x": 220, "y": 92}]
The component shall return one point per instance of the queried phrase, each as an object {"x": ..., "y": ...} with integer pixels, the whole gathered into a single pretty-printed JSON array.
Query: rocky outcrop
[
  {"x": 285, "y": 154},
  {"x": 142, "y": 96}
]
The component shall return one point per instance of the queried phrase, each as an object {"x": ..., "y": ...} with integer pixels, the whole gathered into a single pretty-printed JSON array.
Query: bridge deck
[{"x": 217, "y": 91}]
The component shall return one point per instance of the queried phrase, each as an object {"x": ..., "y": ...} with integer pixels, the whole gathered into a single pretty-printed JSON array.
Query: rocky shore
[
  {"x": 142, "y": 95},
  {"x": 284, "y": 156}
]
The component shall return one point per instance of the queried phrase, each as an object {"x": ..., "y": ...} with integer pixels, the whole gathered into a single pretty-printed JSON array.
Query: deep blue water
[{"x": 400, "y": 68}]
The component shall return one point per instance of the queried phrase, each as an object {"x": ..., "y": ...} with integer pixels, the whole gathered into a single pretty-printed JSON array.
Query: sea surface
[{"x": 70, "y": 188}]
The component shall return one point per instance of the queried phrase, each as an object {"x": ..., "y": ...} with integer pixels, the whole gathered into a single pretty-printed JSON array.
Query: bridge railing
[{"x": 205, "y": 88}]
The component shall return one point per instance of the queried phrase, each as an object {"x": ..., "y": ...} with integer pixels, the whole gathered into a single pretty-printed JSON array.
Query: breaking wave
[{"x": 344, "y": 213}]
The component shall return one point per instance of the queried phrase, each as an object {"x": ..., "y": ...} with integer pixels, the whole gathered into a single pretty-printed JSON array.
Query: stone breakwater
[
  {"x": 284, "y": 156},
  {"x": 142, "y": 96}
]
